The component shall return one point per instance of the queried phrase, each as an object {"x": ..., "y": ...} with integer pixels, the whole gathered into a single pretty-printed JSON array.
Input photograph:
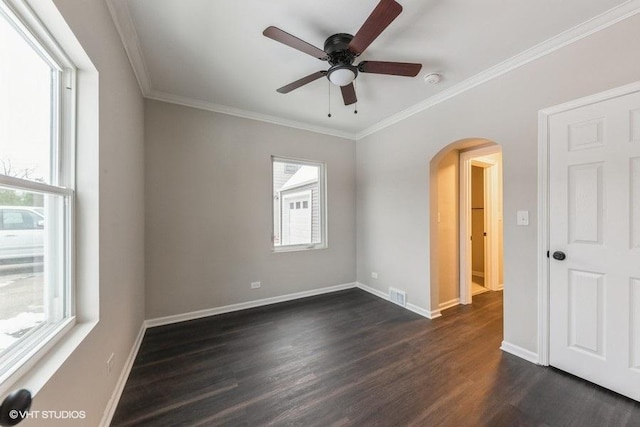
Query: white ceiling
[{"x": 212, "y": 54}]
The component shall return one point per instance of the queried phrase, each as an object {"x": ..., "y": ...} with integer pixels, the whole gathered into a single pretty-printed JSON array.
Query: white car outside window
[{"x": 21, "y": 234}]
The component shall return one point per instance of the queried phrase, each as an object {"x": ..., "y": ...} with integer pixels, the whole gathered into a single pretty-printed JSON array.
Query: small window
[{"x": 299, "y": 211}]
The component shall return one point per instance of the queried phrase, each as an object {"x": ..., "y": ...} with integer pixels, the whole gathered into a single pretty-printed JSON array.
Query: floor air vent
[{"x": 397, "y": 296}]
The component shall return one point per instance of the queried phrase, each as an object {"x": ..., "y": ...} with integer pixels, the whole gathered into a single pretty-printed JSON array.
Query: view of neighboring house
[{"x": 296, "y": 207}]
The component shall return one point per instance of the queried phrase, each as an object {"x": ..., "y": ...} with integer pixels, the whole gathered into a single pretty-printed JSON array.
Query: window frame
[
  {"x": 41, "y": 339},
  {"x": 322, "y": 201}
]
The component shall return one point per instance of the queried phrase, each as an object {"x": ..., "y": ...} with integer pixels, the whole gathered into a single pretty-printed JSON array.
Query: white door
[
  {"x": 594, "y": 219},
  {"x": 296, "y": 218}
]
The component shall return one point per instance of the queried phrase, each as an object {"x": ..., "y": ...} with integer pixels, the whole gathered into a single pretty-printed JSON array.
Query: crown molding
[
  {"x": 587, "y": 28},
  {"x": 231, "y": 111},
  {"x": 123, "y": 21},
  {"x": 124, "y": 24}
]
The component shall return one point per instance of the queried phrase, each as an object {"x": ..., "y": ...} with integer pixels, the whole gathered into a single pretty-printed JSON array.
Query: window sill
[
  {"x": 41, "y": 366},
  {"x": 300, "y": 248}
]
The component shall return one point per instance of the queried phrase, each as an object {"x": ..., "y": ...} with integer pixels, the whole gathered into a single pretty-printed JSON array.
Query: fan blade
[
  {"x": 292, "y": 41},
  {"x": 384, "y": 13},
  {"x": 349, "y": 94},
  {"x": 393, "y": 68},
  {"x": 303, "y": 81}
]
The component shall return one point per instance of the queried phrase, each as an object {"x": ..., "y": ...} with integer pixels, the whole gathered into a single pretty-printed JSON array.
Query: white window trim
[
  {"x": 33, "y": 369},
  {"x": 322, "y": 182}
]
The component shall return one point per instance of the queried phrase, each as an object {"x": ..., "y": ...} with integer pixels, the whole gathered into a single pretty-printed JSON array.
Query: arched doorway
[{"x": 451, "y": 224}]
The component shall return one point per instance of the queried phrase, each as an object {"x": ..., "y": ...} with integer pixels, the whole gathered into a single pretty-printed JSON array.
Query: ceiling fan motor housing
[
  {"x": 337, "y": 47},
  {"x": 340, "y": 57}
]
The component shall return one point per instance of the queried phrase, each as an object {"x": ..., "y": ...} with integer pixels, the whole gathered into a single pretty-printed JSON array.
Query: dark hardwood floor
[{"x": 350, "y": 358}]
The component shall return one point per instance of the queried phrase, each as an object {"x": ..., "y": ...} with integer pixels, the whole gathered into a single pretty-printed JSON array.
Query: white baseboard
[
  {"x": 373, "y": 291},
  {"x": 477, "y": 273},
  {"x": 411, "y": 307},
  {"x": 429, "y": 314},
  {"x": 522, "y": 353},
  {"x": 167, "y": 320},
  {"x": 122, "y": 380},
  {"x": 449, "y": 304}
]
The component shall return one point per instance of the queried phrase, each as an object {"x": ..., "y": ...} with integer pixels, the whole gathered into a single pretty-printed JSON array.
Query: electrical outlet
[
  {"x": 374, "y": 275},
  {"x": 110, "y": 363},
  {"x": 255, "y": 285}
]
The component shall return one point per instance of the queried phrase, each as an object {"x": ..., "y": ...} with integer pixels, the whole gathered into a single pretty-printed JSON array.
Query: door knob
[
  {"x": 14, "y": 408},
  {"x": 559, "y": 255}
]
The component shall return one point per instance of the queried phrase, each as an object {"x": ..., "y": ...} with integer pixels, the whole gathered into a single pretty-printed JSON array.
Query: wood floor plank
[{"x": 352, "y": 359}]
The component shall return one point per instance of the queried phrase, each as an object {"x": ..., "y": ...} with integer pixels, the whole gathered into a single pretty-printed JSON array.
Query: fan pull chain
[
  {"x": 355, "y": 88},
  {"x": 329, "y": 83}
]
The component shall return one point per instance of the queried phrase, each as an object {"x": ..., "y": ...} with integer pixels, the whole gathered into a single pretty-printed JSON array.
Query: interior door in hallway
[{"x": 594, "y": 237}]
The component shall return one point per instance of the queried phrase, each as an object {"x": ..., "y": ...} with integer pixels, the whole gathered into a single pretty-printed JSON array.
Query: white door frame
[
  {"x": 543, "y": 206},
  {"x": 491, "y": 218}
]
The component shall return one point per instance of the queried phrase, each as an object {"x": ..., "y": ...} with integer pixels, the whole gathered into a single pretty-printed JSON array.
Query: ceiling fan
[{"x": 341, "y": 49}]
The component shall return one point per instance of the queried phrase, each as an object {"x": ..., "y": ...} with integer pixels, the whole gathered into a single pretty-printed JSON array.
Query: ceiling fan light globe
[{"x": 342, "y": 76}]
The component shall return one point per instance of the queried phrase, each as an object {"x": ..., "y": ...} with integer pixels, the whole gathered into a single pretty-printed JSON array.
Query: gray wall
[
  {"x": 82, "y": 382},
  {"x": 393, "y": 169},
  {"x": 209, "y": 213}
]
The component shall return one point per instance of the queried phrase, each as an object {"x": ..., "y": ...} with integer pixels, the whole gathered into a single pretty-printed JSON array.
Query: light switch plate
[{"x": 523, "y": 218}]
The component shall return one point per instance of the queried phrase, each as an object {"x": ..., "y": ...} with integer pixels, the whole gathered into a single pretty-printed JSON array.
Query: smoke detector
[{"x": 432, "y": 78}]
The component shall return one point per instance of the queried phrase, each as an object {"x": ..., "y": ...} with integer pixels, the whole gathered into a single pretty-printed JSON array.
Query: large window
[
  {"x": 299, "y": 220},
  {"x": 36, "y": 193}
]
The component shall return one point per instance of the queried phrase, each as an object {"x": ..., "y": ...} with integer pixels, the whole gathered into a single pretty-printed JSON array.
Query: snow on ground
[{"x": 12, "y": 329}]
